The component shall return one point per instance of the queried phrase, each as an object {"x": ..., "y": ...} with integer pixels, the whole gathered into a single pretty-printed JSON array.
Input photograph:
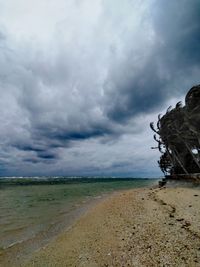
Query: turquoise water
[{"x": 30, "y": 211}]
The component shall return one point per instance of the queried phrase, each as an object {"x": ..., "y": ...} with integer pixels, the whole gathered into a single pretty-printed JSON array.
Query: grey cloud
[
  {"x": 91, "y": 82},
  {"x": 170, "y": 68},
  {"x": 140, "y": 94},
  {"x": 178, "y": 25}
]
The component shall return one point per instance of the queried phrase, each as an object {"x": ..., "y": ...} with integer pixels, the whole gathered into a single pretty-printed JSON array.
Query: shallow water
[{"x": 30, "y": 211}]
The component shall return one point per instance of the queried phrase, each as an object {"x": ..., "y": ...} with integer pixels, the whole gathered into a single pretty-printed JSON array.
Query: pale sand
[{"x": 142, "y": 227}]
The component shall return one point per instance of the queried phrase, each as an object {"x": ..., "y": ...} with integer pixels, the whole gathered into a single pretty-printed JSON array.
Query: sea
[{"x": 34, "y": 210}]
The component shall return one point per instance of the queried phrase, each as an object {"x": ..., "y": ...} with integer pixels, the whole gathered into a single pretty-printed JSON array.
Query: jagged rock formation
[{"x": 178, "y": 136}]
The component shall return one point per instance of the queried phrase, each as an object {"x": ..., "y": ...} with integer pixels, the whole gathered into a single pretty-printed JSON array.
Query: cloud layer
[{"x": 80, "y": 81}]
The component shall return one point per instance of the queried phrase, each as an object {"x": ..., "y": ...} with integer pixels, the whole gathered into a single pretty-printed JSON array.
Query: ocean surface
[{"x": 35, "y": 210}]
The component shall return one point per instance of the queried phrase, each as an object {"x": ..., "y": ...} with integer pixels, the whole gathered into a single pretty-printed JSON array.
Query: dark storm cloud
[
  {"x": 47, "y": 155},
  {"x": 32, "y": 160},
  {"x": 90, "y": 77},
  {"x": 171, "y": 68},
  {"x": 140, "y": 94},
  {"x": 178, "y": 25},
  {"x": 53, "y": 139},
  {"x": 25, "y": 147},
  {"x": 62, "y": 134}
]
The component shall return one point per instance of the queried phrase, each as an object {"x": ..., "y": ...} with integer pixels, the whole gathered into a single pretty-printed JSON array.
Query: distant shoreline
[{"x": 63, "y": 180}]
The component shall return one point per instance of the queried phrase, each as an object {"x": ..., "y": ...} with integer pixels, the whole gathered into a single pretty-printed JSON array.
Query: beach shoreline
[
  {"x": 136, "y": 227},
  {"x": 18, "y": 252},
  {"x": 139, "y": 227},
  {"x": 32, "y": 218}
]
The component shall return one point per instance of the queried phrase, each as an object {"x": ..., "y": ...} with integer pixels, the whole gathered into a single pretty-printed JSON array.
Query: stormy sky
[{"x": 80, "y": 80}]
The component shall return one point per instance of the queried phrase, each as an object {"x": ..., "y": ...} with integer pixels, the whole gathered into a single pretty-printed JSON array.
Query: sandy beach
[{"x": 140, "y": 227}]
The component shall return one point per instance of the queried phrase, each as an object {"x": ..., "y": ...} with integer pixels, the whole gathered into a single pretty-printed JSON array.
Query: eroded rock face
[{"x": 179, "y": 136}]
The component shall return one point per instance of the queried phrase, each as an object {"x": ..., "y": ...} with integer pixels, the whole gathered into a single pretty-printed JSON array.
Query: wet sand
[
  {"x": 141, "y": 227},
  {"x": 19, "y": 252}
]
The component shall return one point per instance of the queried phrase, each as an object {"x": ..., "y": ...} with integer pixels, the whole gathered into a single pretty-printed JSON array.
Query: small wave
[{"x": 15, "y": 243}]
